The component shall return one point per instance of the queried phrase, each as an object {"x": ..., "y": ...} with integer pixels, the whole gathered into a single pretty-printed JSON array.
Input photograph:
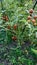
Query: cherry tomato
[
  {"x": 35, "y": 17},
  {"x": 33, "y": 20},
  {"x": 15, "y": 26},
  {"x": 14, "y": 38},
  {"x": 29, "y": 17},
  {"x": 28, "y": 20},
  {"x": 6, "y": 18},
  {"x": 31, "y": 11},
  {"x": 35, "y": 24}
]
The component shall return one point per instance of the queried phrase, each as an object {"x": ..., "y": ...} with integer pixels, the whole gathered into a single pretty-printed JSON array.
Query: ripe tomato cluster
[
  {"x": 14, "y": 28},
  {"x": 5, "y": 17},
  {"x": 30, "y": 18}
]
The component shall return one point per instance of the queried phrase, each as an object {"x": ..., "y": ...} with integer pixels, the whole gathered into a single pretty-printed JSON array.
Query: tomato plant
[{"x": 18, "y": 32}]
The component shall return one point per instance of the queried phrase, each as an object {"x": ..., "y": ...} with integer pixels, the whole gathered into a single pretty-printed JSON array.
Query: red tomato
[
  {"x": 31, "y": 11},
  {"x": 35, "y": 17},
  {"x": 14, "y": 38},
  {"x": 15, "y": 26},
  {"x": 6, "y": 18},
  {"x": 33, "y": 20},
  {"x": 29, "y": 17}
]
